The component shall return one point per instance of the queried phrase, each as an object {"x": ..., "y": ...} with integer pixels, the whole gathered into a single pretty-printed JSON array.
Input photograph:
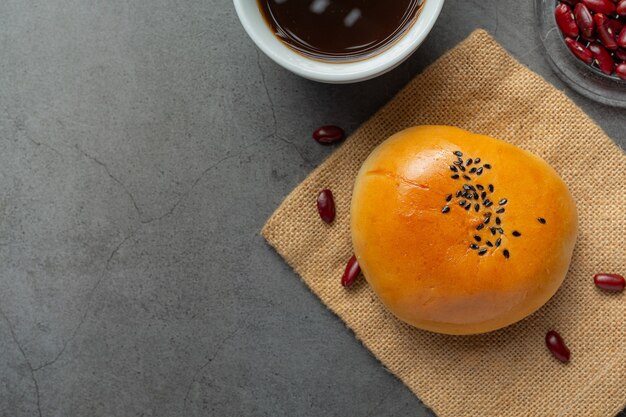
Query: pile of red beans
[{"x": 595, "y": 32}]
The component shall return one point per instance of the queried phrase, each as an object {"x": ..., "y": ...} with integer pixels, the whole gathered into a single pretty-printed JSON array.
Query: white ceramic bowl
[{"x": 339, "y": 73}]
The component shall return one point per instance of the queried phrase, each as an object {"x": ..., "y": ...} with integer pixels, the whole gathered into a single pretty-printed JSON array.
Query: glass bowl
[{"x": 585, "y": 79}]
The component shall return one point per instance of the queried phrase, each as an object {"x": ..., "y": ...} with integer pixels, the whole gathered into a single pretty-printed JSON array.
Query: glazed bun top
[{"x": 460, "y": 233}]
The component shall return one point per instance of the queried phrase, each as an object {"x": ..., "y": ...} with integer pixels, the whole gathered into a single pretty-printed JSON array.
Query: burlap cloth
[{"x": 479, "y": 87}]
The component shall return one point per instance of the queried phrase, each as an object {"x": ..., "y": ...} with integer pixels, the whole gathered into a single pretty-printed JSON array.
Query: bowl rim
[{"x": 346, "y": 72}]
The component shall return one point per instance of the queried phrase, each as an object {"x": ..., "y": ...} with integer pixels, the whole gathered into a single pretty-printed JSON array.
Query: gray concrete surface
[{"x": 144, "y": 143}]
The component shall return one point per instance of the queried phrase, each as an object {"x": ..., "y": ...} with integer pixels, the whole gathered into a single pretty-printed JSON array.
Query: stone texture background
[{"x": 144, "y": 144}]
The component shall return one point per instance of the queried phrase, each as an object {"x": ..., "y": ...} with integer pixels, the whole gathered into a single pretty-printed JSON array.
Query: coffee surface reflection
[{"x": 339, "y": 30}]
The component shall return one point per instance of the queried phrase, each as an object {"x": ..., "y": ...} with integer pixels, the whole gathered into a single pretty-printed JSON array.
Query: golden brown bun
[{"x": 418, "y": 259}]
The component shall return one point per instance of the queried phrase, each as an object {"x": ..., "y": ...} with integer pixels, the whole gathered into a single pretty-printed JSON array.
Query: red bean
[
  {"x": 326, "y": 205},
  {"x": 351, "y": 273},
  {"x": 600, "y": 6},
  {"x": 610, "y": 282},
  {"x": 602, "y": 57},
  {"x": 604, "y": 32},
  {"x": 557, "y": 347},
  {"x": 584, "y": 20},
  {"x": 621, "y": 38},
  {"x": 565, "y": 20},
  {"x": 328, "y": 134},
  {"x": 583, "y": 39},
  {"x": 620, "y": 70},
  {"x": 620, "y": 54},
  {"x": 615, "y": 26},
  {"x": 621, "y": 8},
  {"x": 579, "y": 50}
]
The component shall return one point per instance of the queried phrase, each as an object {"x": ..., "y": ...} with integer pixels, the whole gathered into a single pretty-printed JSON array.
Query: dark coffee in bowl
[{"x": 339, "y": 30}]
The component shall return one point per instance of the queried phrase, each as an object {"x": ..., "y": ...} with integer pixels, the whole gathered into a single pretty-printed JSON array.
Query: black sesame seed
[
  {"x": 466, "y": 187},
  {"x": 462, "y": 203},
  {"x": 477, "y": 238},
  {"x": 467, "y": 206},
  {"x": 479, "y": 171},
  {"x": 458, "y": 193},
  {"x": 500, "y": 210},
  {"x": 500, "y": 230},
  {"x": 462, "y": 168},
  {"x": 473, "y": 246},
  {"x": 483, "y": 195},
  {"x": 477, "y": 160},
  {"x": 503, "y": 201},
  {"x": 498, "y": 221},
  {"x": 476, "y": 207},
  {"x": 468, "y": 162},
  {"x": 498, "y": 242},
  {"x": 472, "y": 170},
  {"x": 455, "y": 177},
  {"x": 475, "y": 196},
  {"x": 541, "y": 220},
  {"x": 488, "y": 203},
  {"x": 480, "y": 187},
  {"x": 487, "y": 215},
  {"x": 458, "y": 153},
  {"x": 482, "y": 252},
  {"x": 449, "y": 197},
  {"x": 490, "y": 188},
  {"x": 487, "y": 166},
  {"x": 466, "y": 177},
  {"x": 457, "y": 162},
  {"x": 516, "y": 233},
  {"x": 506, "y": 253},
  {"x": 472, "y": 188},
  {"x": 445, "y": 209},
  {"x": 480, "y": 226},
  {"x": 492, "y": 230},
  {"x": 487, "y": 220},
  {"x": 453, "y": 168},
  {"x": 488, "y": 243}
]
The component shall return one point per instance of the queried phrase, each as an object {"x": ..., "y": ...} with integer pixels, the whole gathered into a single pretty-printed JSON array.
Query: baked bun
[{"x": 460, "y": 233}]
